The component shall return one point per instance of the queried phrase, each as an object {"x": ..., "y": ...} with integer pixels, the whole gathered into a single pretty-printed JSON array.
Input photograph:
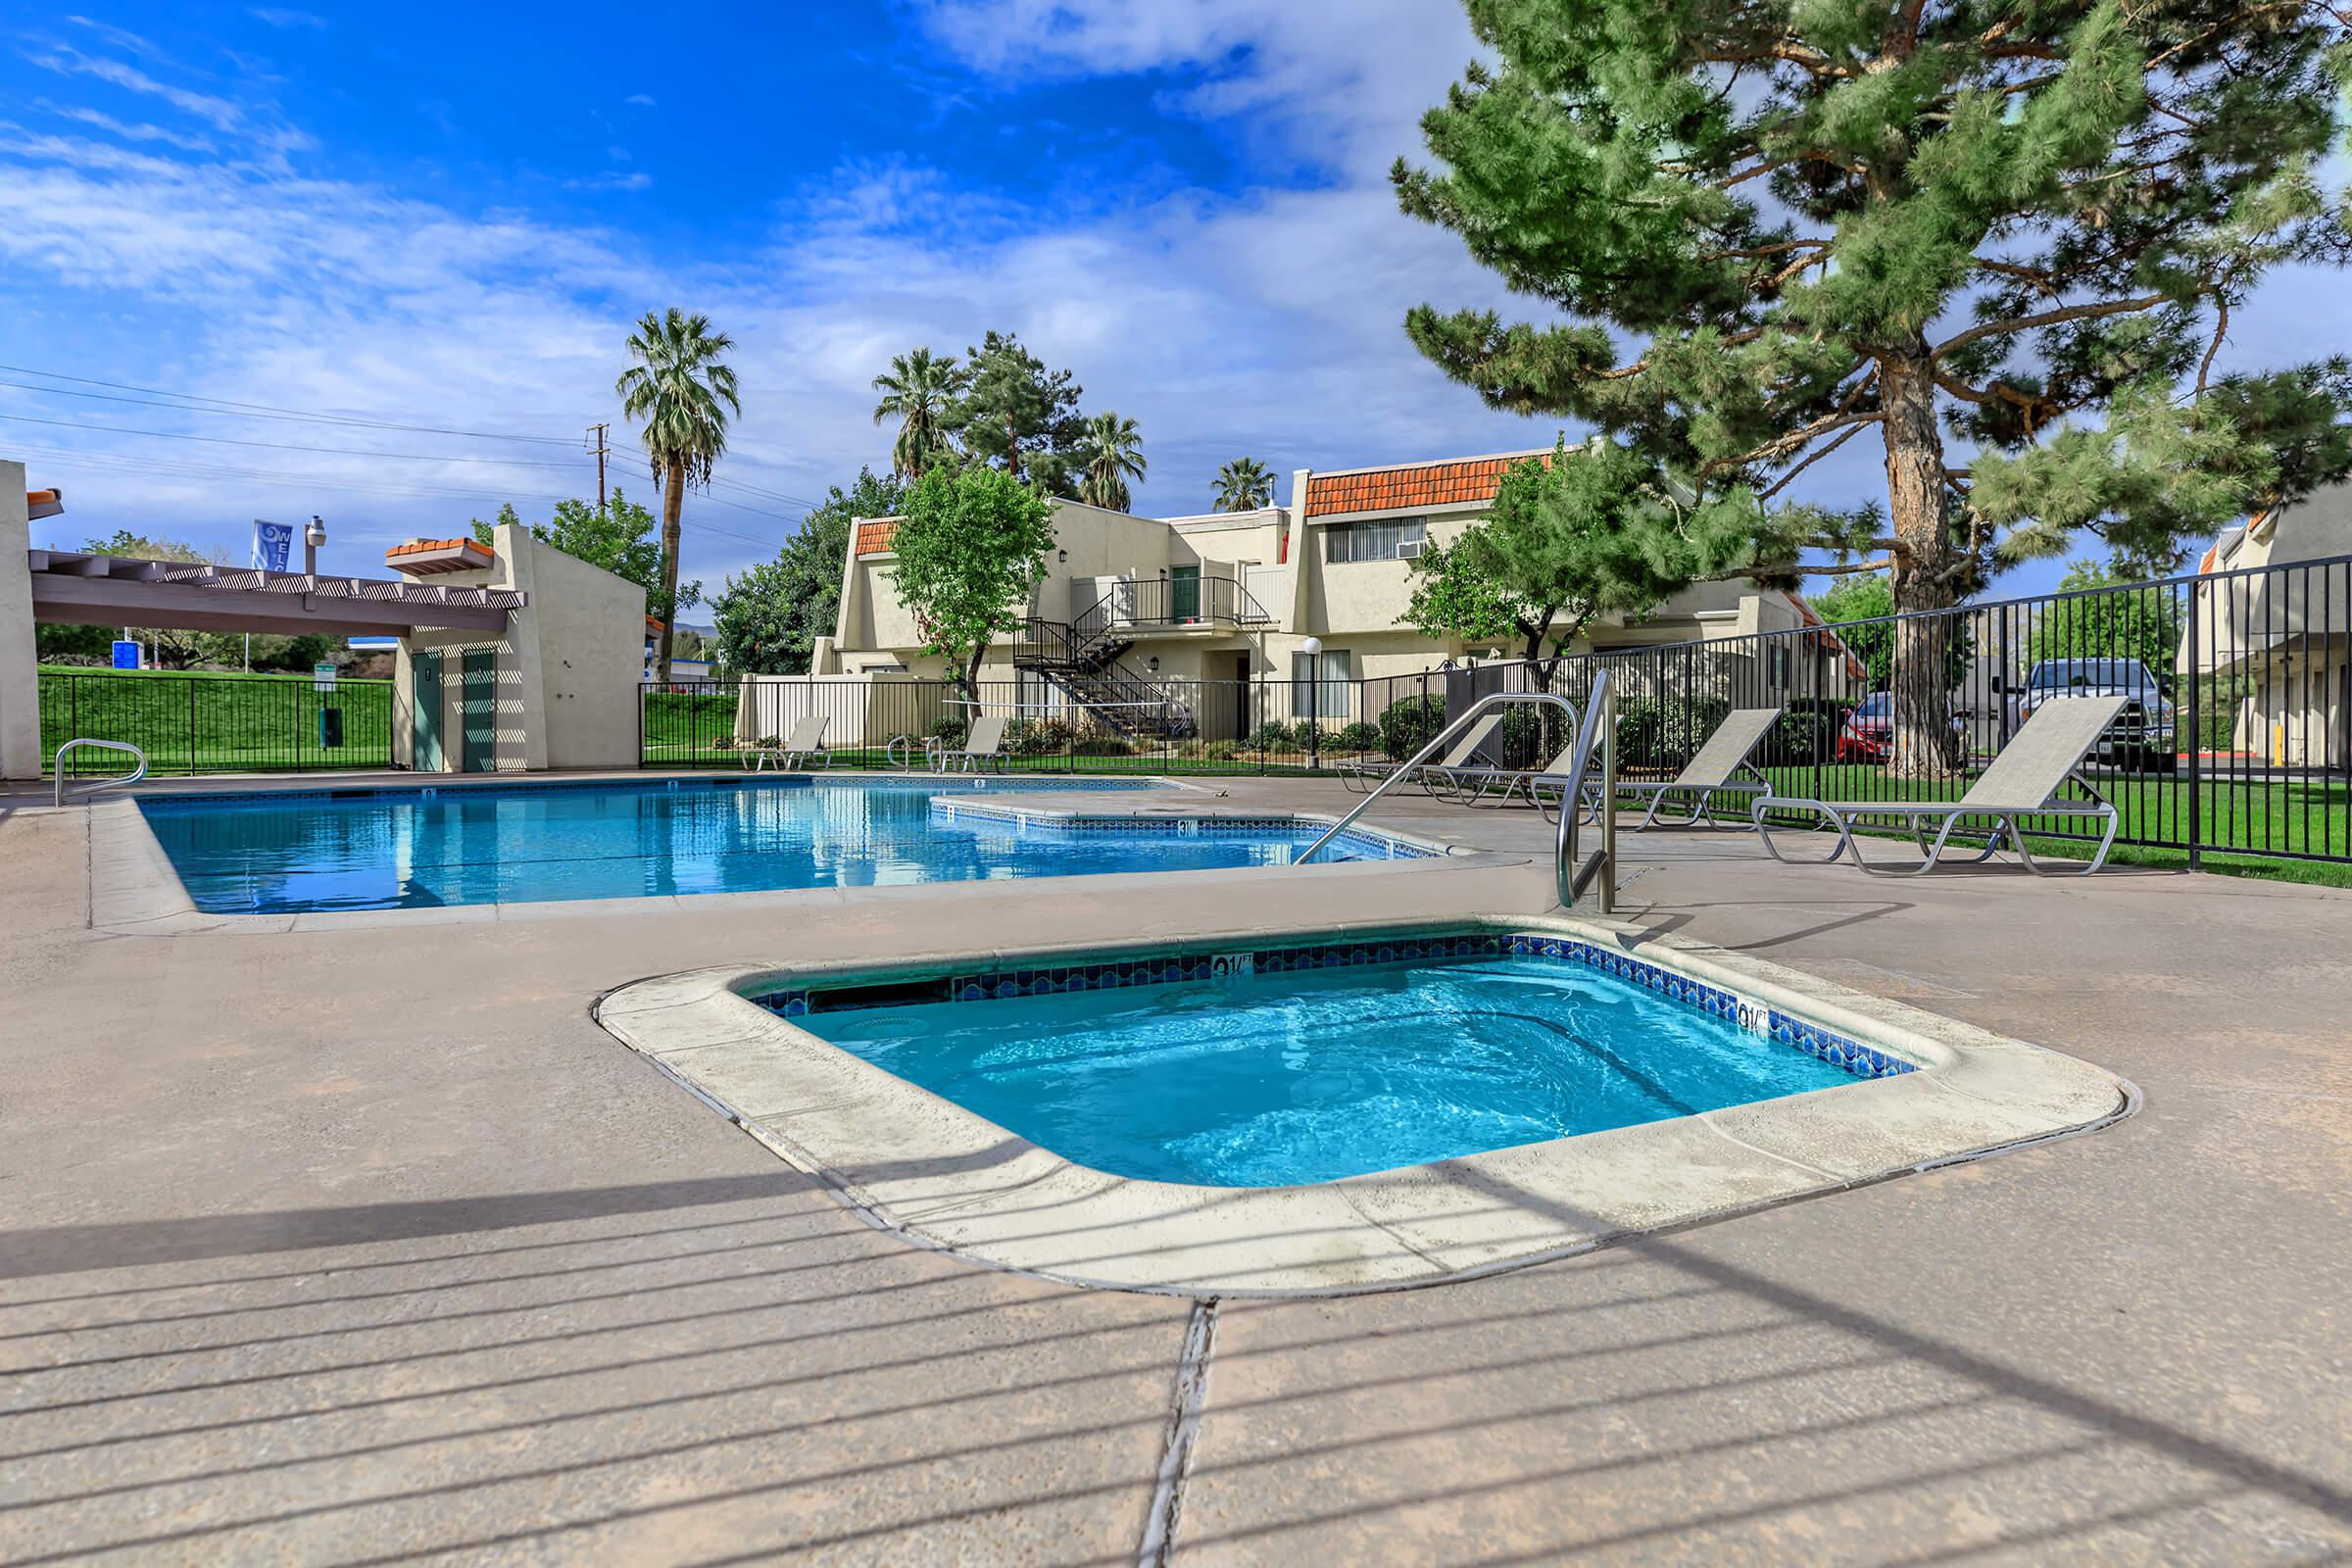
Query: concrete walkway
[{"x": 370, "y": 1247}]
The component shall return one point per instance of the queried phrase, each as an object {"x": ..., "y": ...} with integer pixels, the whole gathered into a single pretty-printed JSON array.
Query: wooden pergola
[{"x": 79, "y": 589}]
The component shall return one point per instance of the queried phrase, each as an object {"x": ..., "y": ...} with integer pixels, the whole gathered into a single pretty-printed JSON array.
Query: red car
[{"x": 1868, "y": 735}]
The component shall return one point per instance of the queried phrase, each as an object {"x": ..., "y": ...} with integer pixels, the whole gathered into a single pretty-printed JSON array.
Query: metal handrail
[
  {"x": 57, "y": 762},
  {"x": 1596, "y": 726}
]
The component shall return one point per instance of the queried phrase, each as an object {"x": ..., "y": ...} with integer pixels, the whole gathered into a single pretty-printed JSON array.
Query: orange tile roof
[
  {"x": 1459, "y": 482},
  {"x": 432, "y": 556},
  {"x": 873, "y": 538},
  {"x": 44, "y": 503}
]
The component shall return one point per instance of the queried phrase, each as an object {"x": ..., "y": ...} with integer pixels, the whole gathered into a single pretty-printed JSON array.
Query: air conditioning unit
[{"x": 1409, "y": 548}]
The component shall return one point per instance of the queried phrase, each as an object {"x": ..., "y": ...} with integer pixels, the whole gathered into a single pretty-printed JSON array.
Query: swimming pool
[
  {"x": 1289, "y": 1065},
  {"x": 395, "y": 848}
]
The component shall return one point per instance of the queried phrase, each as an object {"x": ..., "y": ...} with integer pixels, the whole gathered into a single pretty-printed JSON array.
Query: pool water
[
  {"x": 1273, "y": 1079},
  {"x": 409, "y": 848}
]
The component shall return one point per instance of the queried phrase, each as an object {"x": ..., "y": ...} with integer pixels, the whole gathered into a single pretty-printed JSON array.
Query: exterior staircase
[{"x": 1084, "y": 662}]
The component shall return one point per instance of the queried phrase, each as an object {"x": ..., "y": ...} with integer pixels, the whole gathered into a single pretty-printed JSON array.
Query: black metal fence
[
  {"x": 212, "y": 723},
  {"x": 2236, "y": 739}
]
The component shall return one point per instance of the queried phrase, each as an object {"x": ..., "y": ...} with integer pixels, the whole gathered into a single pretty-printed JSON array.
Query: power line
[
  {"x": 263, "y": 409},
  {"x": 287, "y": 446},
  {"x": 172, "y": 468}
]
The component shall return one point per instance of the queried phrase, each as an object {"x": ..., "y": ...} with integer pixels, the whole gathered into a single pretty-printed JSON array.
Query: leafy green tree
[
  {"x": 971, "y": 545},
  {"x": 2145, "y": 625},
  {"x": 682, "y": 393},
  {"x": 920, "y": 390},
  {"x": 1114, "y": 455},
  {"x": 1244, "y": 485},
  {"x": 619, "y": 539},
  {"x": 1581, "y": 532},
  {"x": 1963, "y": 217},
  {"x": 1457, "y": 599},
  {"x": 769, "y": 618},
  {"x": 1017, "y": 416}
]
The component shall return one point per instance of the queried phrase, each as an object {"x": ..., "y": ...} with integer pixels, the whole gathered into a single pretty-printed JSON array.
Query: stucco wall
[
  {"x": 568, "y": 667},
  {"x": 20, "y": 658}
]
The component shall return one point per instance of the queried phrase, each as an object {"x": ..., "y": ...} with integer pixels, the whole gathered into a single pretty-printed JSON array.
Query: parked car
[
  {"x": 1868, "y": 734},
  {"x": 2141, "y": 736}
]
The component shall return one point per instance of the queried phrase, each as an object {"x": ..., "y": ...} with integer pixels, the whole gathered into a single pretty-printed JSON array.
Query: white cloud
[
  {"x": 640, "y": 100},
  {"x": 278, "y": 18},
  {"x": 612, "y": 180}
]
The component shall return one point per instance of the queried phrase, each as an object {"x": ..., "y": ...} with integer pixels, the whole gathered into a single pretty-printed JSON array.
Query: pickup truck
[{"x": 2141, "y": 735}]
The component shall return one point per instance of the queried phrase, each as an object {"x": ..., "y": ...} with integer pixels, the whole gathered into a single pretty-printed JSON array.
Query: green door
[
  {"x": 1184, "y": 593},
  {"x": 425, "y": 755},
  {"x": 478, "y": 711}
]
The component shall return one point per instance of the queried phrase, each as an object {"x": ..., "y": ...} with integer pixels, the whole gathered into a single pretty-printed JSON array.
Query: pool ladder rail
[
  {"x": 57, "y": 762},
  {"x": 1595, "y": 730}
]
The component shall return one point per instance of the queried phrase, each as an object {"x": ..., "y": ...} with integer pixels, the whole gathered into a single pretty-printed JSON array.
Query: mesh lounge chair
[
  {"x": 1476, "y": 784},
  {"x": 983, "y": 745},
  {"x": 1361, "y": 776},
  {"x": 1714, "y": 769},
  {"x": 2041, "y": 760},
  {"x": 804, "y": 744}
]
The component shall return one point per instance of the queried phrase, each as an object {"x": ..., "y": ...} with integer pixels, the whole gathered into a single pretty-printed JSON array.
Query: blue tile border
[
  {"x": 455, "y": 785},
  {"x": 1785, "y": 1028}
]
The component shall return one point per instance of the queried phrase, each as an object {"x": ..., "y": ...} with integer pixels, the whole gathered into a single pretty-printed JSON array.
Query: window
[
  {"x": 1778, "y": 674},
  {"x": 1397, "y": 540},
  {"x": 1321, "y": 694}
]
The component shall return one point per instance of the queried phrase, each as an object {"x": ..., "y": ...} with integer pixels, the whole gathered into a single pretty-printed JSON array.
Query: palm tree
[
  {"x": 675, "y": 390},
  {"x": 1114, "y": 455},
  {"x": 1244, "y": 485},
  {"x": 919, "y": 390}
]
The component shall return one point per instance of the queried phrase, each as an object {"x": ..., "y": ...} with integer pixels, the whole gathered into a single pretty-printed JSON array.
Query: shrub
[
  {"x": 1807, "y": 733},
  {"x": 1032, "y": 737},
  {"x": 1659, "y": 734},
  {"x": 1407, "y": 725},
  {"x": 1360, "y": 736},
  {"x": 1221, "y": 751},
  {"x": 1268, "y": 737},
  {"x": 1101, "y": 746},
  {"x": 951, "y": 729}
]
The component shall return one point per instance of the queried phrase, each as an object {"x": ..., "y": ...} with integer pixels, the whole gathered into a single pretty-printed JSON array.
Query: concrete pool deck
[{"x": 367, "y": 1245}]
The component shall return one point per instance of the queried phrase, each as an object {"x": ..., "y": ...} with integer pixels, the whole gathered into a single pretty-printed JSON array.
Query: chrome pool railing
[
  {"x": 1596, "y": 727},
  {"x": 57, "y": 762}
]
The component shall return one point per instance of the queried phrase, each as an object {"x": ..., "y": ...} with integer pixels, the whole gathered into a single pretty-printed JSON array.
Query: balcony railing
[{"x": 1170, "y": 603}]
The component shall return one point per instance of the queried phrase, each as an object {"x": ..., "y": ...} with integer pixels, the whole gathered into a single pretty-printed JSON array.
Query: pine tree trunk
[
  {"x": 1918, "y": 504},
  {"x": 674, "y": 507}
]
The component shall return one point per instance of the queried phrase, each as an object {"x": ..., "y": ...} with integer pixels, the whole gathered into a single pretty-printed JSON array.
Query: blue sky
[{"x": 439, "y": 215}]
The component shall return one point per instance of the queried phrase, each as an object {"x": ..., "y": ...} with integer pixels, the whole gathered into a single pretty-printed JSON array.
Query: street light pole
[{"x": 1313, "y": 649}]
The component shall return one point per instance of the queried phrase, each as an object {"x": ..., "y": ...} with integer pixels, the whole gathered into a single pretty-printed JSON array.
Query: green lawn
[{"x": 209, "y": 722}]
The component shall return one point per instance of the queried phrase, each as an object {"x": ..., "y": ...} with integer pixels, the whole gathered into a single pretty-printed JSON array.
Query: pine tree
[
  {"x": 1016, "y": 414},
  {"x": 1947, "y": 218}
]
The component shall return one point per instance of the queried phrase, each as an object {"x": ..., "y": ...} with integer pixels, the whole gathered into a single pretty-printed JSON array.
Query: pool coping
[
  {"x": 943, "y": 1177},
  {"x": 134, "y": 889}
]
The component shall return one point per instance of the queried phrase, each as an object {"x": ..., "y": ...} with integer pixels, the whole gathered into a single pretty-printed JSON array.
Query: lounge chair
[
  {"x": 2041, "y": 760},
  {"x": 1361, "y": 776},
  {"x": 983, "y": 745},
  {"x": 806, "y": 742},
  {"x": 1712, "y": 772},
  {"x": 1472, "y": 785}
]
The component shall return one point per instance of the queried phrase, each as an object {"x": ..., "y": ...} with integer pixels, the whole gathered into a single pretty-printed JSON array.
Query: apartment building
[{"x": 1134, "y": 608}]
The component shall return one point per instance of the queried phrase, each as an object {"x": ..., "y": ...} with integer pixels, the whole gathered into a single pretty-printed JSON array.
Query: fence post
[
  {"x": 191, "y": 723},
  {"x": 2196, "y": 739}
]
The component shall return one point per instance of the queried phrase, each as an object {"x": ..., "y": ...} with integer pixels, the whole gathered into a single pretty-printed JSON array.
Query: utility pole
[{"x": 597, "y": 433}]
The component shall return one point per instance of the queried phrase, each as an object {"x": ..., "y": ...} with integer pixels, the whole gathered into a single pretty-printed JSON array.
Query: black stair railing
[{"x": 1170, "y": 601}]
